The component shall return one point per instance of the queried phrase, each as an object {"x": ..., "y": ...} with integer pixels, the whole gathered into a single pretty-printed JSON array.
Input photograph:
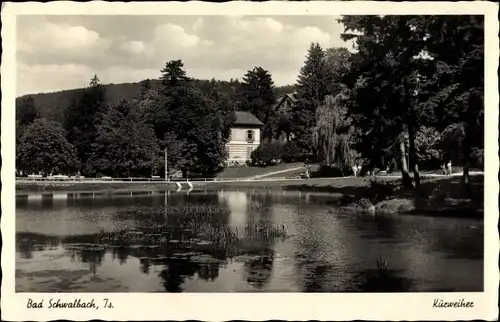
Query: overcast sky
[{"x": 64, "y": 52}]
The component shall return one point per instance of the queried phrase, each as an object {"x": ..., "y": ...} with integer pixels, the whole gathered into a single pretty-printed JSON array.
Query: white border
[{"x": 284, "y": 306}]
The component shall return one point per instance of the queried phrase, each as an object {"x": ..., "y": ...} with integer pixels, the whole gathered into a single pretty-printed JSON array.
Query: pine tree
[
  {"x": 80, "y": 121},
  {"x": 173, "y": 74},
  {"x": 311, "y": 89},
  {"x": 257, "y": 97}
]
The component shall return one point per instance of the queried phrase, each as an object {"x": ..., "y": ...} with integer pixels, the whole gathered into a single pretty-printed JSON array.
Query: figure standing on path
[
  {"x": 306, "y": 166},
  {"x": 355, "y": 170},
  {"x": 448, "y": 166}
]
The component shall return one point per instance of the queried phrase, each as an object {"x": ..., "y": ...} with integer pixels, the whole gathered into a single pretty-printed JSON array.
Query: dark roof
[
  {"x": 246, "y": 118},
  {"x": 291, "y": 96}
]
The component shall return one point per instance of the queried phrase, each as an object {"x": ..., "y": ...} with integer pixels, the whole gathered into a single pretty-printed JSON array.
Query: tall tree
[
  {"x": 455, "y": 88},
  {"x": 192, "y": 123},
  {"x": 389, "y": 60},
  {"x": 44, "y": 148},
  {"x": 81, "y": 119},
  {"x": 311, "y": 89},
  {"x": 425, "y": 70},
  {"x": 125, "y": 144},
  {"x": 338, "y": 63},
  {"x": 257, "y": 97},
  {"x": 173, "y": 74},
  {"x": 333, "y": 132}
]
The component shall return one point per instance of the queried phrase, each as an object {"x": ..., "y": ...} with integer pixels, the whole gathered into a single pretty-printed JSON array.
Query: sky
[{"x": 64, "y": 52}]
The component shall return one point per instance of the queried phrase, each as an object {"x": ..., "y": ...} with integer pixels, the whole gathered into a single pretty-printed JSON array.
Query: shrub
[
  {"x": 329, "y": 172},
  {"x": 292, "y": 152},
  {"x": 380, "y": 190},
  {"x": 267, "y": 153}
]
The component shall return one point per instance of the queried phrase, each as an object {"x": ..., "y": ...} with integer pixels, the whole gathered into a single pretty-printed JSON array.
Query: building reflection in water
[{"x": 237, "y": 203}]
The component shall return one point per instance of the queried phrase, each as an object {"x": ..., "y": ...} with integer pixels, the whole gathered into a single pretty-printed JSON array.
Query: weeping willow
[{"x": 333, "y": 132}]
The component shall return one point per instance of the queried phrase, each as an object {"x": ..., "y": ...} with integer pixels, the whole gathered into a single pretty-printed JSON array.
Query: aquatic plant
[
  {"x": 265, "y": 230},
  {"x": 382, "y": 268}
]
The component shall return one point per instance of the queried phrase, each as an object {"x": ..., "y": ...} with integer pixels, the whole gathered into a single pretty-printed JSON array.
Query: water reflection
[{"x": 323, "y": 251}]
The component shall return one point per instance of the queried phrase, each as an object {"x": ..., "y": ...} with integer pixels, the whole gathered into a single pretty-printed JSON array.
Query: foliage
[
  {"x": 452, "y": 140},
  {"x": 333, "y": 131},
  {"x": 384, "y": 76},
  {"x": 414, "y": 71},
  {"x": 44, "y": 148},
  {"x": 146, "y": 86},
  {"x": 311, "y": 88},
  {"x": 338, "y": 63},
  {"x": 52, "y": 105},
  {"x": 267, "y": 153},
  {"x": 455, "y": 91},
  {"x": 256, "y": 96},
  {"x": 80, "y": 122},
  {"x": 26, "y": 112},
  {"x": 292, "y": 152},
  {"x": 173, "y": 74},
  {"x": 197, "y": 123},
  {"x": 427, "y": 144},
  {"x": 125, "y": 145},
  {"x": 282, "y": 125},
  {"x": 327, "y": 171}
]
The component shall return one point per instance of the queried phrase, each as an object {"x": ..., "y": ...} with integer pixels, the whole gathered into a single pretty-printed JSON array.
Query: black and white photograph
[{"x": 249, "y": 153}]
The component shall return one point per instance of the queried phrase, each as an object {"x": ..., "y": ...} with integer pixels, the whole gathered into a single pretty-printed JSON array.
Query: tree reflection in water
[
  {"x": 120, "y": 253},
  {"x": 259, "y": 269},
  {"x": 92, "y": 258},
  {"x": 27, "y": 243}
]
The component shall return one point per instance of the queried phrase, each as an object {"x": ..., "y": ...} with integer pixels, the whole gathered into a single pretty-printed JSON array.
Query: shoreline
[
  {"x": 306, "y": 185},
  {"x": 96, "y": 186},
  {"x": 354, "y": 194}
]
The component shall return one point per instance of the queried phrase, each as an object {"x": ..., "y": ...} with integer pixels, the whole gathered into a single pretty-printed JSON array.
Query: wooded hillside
[{"x": 51, "y": 105}]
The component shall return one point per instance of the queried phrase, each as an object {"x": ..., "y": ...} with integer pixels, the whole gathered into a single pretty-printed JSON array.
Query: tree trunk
[
  {"x": 413, "y": 158},
  {"x": 467, "y": 190},
  {"x": 466, "y": 151},
  {"x": 404, "y": 167}
]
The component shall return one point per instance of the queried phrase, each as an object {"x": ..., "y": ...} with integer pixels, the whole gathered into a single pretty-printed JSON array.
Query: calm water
[{"x": 324, "y": 250}]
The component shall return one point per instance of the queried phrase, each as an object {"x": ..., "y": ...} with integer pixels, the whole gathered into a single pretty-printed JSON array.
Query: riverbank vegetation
[
  {"x": 439, "y": 196},
  {"x": 410, "y": 98},
  {"x": 198, "y": 233}
]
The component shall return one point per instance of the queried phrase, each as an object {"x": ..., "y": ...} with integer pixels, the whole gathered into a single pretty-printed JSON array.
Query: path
[{"x": 275, "y": 172}]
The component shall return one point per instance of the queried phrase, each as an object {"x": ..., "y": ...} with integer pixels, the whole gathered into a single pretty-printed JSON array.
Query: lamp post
[{"x": 166, "y": 165}]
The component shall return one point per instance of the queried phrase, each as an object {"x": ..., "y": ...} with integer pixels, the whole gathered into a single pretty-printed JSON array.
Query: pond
[{"x": 266, "y": 241}]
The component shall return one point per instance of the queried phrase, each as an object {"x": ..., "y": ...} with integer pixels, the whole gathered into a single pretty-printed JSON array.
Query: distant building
[
  {"x": 284, "y": 106},
  {"x": 285, "y": 103},
  {"x": 244, "y": 138}
]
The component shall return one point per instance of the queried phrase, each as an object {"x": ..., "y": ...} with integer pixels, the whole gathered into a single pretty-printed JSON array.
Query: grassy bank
[
  {"x": 443, "y": 196},
  {"x": 249, "y": 172}
]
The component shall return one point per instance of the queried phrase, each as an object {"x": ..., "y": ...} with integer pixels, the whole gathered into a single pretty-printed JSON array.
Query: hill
[{"x": 52, "y": 105}]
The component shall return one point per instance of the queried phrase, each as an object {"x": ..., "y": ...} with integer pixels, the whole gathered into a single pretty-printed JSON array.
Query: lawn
[{"x": 248, "y": 172}]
